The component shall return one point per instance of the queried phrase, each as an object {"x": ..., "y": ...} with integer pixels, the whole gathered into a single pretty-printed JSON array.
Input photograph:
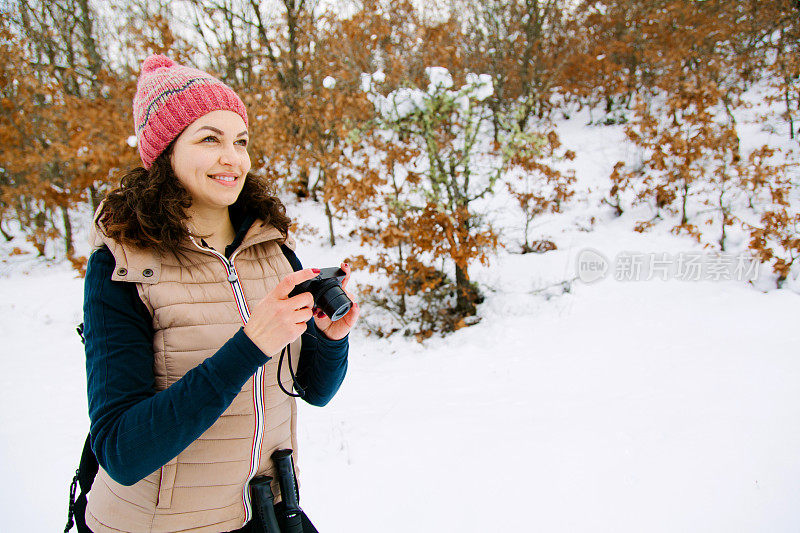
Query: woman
[{"x": 185, "y": 403}]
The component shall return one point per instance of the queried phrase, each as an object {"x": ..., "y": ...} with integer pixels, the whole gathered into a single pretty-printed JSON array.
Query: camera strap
[{"x": 297, "y": 387}]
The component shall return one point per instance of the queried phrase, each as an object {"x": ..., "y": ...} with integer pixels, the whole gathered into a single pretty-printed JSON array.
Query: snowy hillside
[{"x": 661, "y": 405}]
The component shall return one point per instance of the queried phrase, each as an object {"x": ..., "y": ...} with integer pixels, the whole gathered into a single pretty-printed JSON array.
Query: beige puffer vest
[{"x": 197, "y": 304}]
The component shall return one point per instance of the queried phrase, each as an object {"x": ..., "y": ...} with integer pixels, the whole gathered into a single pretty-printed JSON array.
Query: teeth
[{"x": 224, "y": 178}]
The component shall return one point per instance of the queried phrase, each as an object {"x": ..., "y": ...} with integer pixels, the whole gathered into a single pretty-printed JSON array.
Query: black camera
[{"x": 326, "y": 288}]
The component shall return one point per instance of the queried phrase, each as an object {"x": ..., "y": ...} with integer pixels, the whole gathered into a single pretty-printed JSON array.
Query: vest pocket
[{"x": 166, "y": 484}]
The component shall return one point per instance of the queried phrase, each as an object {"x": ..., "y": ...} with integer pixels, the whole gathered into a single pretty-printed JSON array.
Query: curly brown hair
[{"x": 148, "y": 209}]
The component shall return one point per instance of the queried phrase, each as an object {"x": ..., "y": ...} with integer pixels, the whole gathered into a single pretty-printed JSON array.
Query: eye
[
  {"x": 209, "y": 138},
  {"x": 242, "y": 142}
]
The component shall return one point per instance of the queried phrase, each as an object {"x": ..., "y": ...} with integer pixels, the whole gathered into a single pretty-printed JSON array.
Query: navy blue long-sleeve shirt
[{"x": 136, "y": 430}]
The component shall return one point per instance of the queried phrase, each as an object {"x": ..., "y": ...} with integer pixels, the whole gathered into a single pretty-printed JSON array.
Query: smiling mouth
[{"x": 228, "y": 179}]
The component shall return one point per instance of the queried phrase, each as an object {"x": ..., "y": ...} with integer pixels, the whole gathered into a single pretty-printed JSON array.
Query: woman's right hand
[{"x": 279, "y": 320}]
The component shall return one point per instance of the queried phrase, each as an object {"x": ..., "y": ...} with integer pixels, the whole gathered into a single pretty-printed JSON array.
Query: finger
[
  {"x": 347, "y": 271},
  {"x": 353, "y": 315},
  {"x": 350, "y": 295},
  {"x": 282, "y": 289},
  {"x": 343, "y": 326},
  {"x": 302, "y": 315},
  {"x": 301, "y": 301},
  {"x": 300, "y": 328}
]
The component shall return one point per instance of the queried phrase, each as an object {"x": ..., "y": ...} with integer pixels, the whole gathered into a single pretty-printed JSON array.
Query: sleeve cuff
[
  {"x": 330, "y": 343},
  {"x": 239, "y": 359},
  {"x": 332, "y": 350}
]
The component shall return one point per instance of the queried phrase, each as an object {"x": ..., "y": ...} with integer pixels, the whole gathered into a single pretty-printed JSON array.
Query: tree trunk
[
  {"x": 7, "y": 236},
  {"x": 724, "y": 210},
  {"x": 302, "y": 189},
  {"x": 93, "y": 55},
  {"x": 466, "y": 294},
  {"x": 495, "y": 107},
  {"x": 329, "y": 214},
  {"x": 38, "y": 237},
  {"x": 528, "y": 220},
  {"x": 684, "y": 199},
  {"x": 789, "y": 113},
  {"x": 294, "y": 83},
  {"x": 403, "y": 308},
  {"x": 68, "y": 241},
  {"x": 94, "y": 194}
]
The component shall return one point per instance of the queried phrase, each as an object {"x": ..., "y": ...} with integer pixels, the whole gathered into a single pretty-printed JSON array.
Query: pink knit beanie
[{"x": 169, "y": 97}]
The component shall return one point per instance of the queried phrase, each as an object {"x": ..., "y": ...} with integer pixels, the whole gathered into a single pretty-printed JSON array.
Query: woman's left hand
[{"x": 339, "y": 329}]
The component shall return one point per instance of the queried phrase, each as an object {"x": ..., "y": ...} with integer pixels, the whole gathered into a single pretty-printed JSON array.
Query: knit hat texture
[{"x": 169, "y": 97}]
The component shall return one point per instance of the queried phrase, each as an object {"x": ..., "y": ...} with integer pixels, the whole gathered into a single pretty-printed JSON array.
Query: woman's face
[{"x": 210, "y": 159}]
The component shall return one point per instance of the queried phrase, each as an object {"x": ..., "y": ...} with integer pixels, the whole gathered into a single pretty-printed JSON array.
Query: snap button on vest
[
  {"x": 147, "y": 272},
  {"x": 122, "y": 271},
  {"x": 232, "y": 278}
]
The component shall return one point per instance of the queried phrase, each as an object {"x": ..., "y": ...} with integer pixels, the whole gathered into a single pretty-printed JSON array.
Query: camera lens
[{"x": 332, "y": 299}]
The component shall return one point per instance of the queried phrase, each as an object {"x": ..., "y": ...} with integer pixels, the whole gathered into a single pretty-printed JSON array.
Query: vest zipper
[{"x": 258, "y": 378}]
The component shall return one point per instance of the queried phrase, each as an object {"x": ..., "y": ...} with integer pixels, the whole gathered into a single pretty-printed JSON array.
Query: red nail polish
[{"x": 316, "y": 270}]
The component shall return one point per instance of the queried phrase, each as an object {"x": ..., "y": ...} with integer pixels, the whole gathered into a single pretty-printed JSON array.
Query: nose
[{"x": 228, "y": 156}]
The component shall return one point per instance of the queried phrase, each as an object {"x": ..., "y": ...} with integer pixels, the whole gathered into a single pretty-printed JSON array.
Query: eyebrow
[{"x": 219, "y": 132}]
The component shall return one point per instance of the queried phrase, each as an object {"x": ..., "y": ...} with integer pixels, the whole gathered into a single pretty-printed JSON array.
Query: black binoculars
[{"x": 289, "y": 517}]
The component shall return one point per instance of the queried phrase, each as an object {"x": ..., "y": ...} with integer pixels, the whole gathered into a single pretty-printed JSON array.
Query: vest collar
[
  {"x": 141, "y": 265},
  {"x": 260, "y": 232}
]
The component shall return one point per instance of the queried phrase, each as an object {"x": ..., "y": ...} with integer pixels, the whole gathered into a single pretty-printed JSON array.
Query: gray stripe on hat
[{"x": 152, "y": 106}]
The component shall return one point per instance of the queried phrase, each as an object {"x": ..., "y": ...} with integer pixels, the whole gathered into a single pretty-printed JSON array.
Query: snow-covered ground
[{"x": 618, "y": 406}]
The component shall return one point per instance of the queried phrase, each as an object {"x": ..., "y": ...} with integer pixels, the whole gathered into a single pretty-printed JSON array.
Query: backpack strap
[{"x": 84, "y": 477}]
